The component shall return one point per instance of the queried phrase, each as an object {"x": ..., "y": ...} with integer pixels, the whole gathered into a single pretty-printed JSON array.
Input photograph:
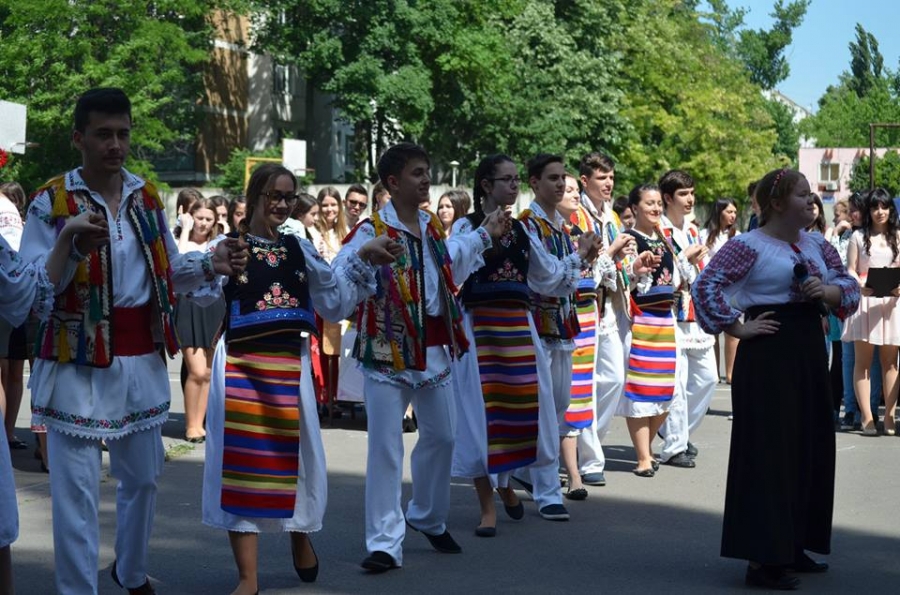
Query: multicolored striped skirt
[
  {"x": 260, "y": 459},
  {"x": 651, "y": 362},
  {"x": 508, "y": 369},
  {"x": 580, "y": 413}
]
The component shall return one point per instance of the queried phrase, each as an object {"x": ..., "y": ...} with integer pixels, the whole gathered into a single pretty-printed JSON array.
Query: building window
[
  {"x": 829, "y": 172},
  {"x": 286, "y": 80}
]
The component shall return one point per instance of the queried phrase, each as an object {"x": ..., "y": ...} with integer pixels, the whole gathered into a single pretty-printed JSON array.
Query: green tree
[
  {"x": 866, "y": 63},
  {"x": 691, "y": 105},
  {"x": 866, "y": 93},
  {"x": 762, "y": 51},
  {"x": 231, "y": 173},
  {"x": 887, "y": 173},
  {"x": 57, "y": 49},
  {"x": 463, "y": 77},
  {"x": 787, "y": 145}
]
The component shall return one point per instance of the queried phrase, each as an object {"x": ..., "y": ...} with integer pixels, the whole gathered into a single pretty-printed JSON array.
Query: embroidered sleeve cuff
[
  {"x": 687, "y": 270},
  {"x": 358, "y": 271},
  {"x": 43, "y": 299},
  {"x": 486, "y": 241},
  {"x": 572, "y": 266},
  {"x": 607, "y": 272}
]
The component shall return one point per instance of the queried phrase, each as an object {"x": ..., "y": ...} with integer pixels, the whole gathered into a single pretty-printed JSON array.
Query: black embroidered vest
[
  {"x": 271, "y": 296},
  {"x": 504, "y": 277}
]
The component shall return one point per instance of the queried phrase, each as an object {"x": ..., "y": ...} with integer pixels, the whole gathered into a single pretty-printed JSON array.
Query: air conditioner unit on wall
[{"x": 832, "y": 186}]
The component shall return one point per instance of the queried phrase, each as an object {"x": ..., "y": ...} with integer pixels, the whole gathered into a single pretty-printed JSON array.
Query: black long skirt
[{"x": 780, "y": 491}]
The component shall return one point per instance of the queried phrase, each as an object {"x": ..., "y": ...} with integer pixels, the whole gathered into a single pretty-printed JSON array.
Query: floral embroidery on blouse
[
  {"x": 271, "y": 255},
  {"x": 275, "y": 298},
  {"x": 508, "y": 272}
]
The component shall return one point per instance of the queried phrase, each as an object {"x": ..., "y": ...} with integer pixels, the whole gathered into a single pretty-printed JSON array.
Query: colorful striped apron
[
  {"x": 580, "y": 413},
  {"x": 508, "y": 370},
  {"x": 651, "y": 362},
  {"x": 260, "y": 460}
]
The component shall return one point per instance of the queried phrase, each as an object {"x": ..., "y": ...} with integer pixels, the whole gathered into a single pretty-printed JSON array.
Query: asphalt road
[{"x": 634, "y": 535}]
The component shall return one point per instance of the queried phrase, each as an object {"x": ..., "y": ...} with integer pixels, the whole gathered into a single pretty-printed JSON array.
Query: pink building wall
[{"x": 819, "y": 165}]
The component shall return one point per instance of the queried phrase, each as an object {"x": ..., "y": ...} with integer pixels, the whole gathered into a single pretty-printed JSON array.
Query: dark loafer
[
  {"x": 681, "y": 460},
  {"x": 145, "y": 589},
  {"x": 378, "y": 562},
  {"x": 692, "y": 451},
  {"x": 443, "y": 543},
  {"x": 485, "y": 531}
]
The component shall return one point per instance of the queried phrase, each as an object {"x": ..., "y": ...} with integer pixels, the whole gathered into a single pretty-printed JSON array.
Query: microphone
[{"x": 801, "y": 273}]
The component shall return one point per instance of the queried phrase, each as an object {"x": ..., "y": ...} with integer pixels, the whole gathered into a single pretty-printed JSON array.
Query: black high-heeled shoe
[{"x": 307, "y": 575}]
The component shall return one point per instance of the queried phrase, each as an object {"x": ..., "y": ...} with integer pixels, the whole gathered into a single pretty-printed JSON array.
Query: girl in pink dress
[{"x": 877, "y": 322}]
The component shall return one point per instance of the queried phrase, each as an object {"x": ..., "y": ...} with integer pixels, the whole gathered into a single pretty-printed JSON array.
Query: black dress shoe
[
  {"x": 145, "y": 589},
  {"x": 803, "y": 563},
  {"x": 307, "y": 575},
  {"x": 378, "y": 562},
  {"x": 692, "y": 451},
  {"x": 681, "y": 460},
  {"x": 443, "y": 543},
  {"x": 771, "y": 577},
  {"x": 485, "y": 531}
]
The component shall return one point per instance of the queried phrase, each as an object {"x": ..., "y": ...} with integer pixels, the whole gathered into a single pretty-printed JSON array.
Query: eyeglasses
[
  {"x": 357, "y": 203},
  {"x": 508, "y": 180},
  {"x": 276, "y": 197}
]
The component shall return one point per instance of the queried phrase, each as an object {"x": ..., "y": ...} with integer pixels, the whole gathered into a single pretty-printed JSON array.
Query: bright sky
[{"x": 819, "y": 52}]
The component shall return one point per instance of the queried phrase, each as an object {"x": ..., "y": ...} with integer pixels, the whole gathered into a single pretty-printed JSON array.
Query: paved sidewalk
[{"x": 634, "y": 535}]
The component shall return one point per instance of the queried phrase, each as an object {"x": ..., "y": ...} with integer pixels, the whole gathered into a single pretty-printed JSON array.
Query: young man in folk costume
[
  {"x": 555, "y": 318},
  {"x": 697, "y": 374},
  {"x": 98, "y": 374},
  {"x": 597, "y": 173},
  {"x": 409, "y": 330},
  {"x": 506, "y": 410}
]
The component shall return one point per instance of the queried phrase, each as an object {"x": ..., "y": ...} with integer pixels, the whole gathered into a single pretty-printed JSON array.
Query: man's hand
[
  {"x": 497, "y": 223},
  {"x": 230, "y": 257},
  {"x": 90, "y": 231},
  {"x": 380, "y": 251}
]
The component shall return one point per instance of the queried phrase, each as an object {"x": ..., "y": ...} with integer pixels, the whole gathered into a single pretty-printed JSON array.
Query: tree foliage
[
  {"x": 762, "y": 51},
  {"x": 887, "y": 173},
  {"x": 644, "y": 80},
  {"x": 57, "y": 49},
  {"x": 691, "y": 106},
  {"x": 231, "y": 173},
  {"x": 867, "y": 93}
]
